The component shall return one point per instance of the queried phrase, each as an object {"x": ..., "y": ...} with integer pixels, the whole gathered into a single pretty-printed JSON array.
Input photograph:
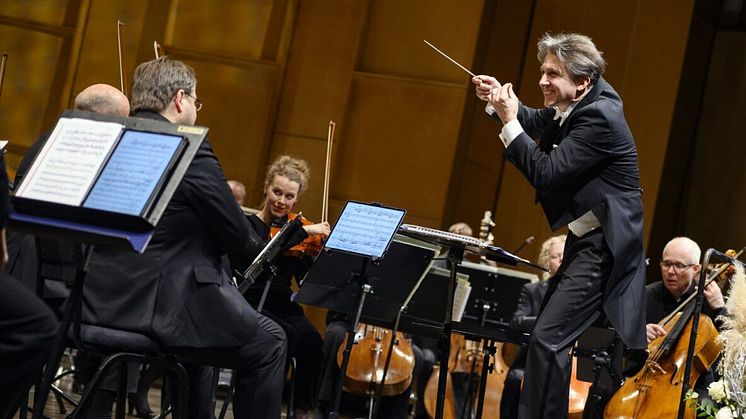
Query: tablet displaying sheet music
[
  {"x": 136, "y": 167},
  {"x": 101, "y": 166},
  {"x": 365, "y": 229}
]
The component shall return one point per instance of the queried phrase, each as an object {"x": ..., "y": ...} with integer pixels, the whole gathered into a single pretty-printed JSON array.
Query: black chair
[
  {"x": 123, "y": 347},
  {"x": 63, "y": 261}
]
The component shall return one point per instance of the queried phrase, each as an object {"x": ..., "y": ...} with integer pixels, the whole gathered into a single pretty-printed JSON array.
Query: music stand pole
[
  {"x": 365, "y": 288},
  {"x": 270, "y": 277},
  {"x": 455, "y": 256},
  {"x": 58, "y": 347}
]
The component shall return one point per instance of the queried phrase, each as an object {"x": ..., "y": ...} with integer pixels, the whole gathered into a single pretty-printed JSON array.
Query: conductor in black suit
[
  {"x": 529, "y": 303},
  {"x": 586, "y": 176},
  {"x": 176, "y": 292}
]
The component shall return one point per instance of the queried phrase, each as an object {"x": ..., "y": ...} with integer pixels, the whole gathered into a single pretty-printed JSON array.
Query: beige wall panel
[
  {"x": 480, "y": 156},
  {"x": 237, "y": 106},
  {"x": 29, "y": 72},
  {"x": 651, "y": 81},
  {"x": 476, "y": 191},
  {"x": 51, "y": 12},
  {"x": 517, "y": 217},
  {"x": 235, "y": 27},
  {"x": 319, "y": 66},
  {"x": 99, "y": 58},
  {"x": 393, "y": 41},
  {"x": 398, "y": 145},
  {"x": 714, "y": 207}
]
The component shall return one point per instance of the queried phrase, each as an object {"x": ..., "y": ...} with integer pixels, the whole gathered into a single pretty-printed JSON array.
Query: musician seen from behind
[
  {"x": 286, "y": 180},
  {"x": 176, "y": 291},
  {"x": 585, "y": 172},
  {"x": 532, "y": 294}
]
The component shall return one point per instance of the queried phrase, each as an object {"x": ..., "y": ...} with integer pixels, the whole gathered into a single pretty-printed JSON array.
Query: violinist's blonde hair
[{"x": 294, "y": 169}]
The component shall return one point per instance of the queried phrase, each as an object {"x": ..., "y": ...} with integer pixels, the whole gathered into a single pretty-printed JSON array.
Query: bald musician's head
[{"x": 103, "y": 99}]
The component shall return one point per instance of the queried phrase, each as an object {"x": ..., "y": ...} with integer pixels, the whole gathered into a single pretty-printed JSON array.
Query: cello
[
  {"x": 654, "y": 391},
  {"x": 366, "y": 365}
]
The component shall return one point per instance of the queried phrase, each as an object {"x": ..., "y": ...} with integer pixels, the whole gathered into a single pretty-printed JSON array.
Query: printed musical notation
[
  {"x": 134, "y": 170},
  {"x": 69, "y": 161},
  {"x": 365, "y": 229}
]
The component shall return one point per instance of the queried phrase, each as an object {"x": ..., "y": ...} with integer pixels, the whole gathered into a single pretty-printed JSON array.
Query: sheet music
[
  {"x": 460, "y": 298},
  {"x": 133, "y": 171},
  {"x": 69, "y": 161},
  {"x": 364, "y": 229}
]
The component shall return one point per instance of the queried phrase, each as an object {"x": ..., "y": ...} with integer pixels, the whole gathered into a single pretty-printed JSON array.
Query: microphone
[{"x": 529, "y": 240}]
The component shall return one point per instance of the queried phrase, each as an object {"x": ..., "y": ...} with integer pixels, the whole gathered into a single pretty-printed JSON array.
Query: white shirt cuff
[
  {"x": 510, "y": 131},
  {"x": 489, "y": 109}
]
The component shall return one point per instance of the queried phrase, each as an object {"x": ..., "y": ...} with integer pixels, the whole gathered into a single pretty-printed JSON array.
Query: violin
[
  {"x": 311, "y": 246},
  {"x": 367, "y": 359}
]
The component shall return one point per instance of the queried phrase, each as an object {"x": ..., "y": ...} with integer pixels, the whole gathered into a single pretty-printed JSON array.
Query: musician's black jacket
[
  {"x": 592, "y": 168},
  {"x": 177, "y": 291}
]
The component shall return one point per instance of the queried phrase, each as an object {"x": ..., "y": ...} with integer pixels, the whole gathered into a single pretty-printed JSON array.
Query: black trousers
[
  {"x": 572, "y": 303},
  {"x": 303, "y": 341},
  {"x": 27, "y": 329},
  {"x": 260, "y": 374}
]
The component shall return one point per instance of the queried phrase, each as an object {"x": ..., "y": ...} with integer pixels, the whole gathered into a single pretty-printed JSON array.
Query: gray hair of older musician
[
  {"x": 546, "y": 247},
  {"x": 577, "y": 52},
  {"x": 156, "y": 82}
]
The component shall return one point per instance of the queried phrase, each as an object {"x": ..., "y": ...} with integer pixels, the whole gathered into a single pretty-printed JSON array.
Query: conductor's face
[
  {"x": 558, "y": 87},
  {"x": 281, "y": 195}
]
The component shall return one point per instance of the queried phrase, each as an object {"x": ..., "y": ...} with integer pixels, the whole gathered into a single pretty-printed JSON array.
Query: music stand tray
[{"x": 330, "y": 283}]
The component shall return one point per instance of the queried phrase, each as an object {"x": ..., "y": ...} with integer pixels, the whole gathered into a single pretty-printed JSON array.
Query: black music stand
[
  {"x": 264, "y": 259},
  {"x": 456, "y": 245},
  {"x": 361, "y": 235},
  {"x": 145, "y": 184}
]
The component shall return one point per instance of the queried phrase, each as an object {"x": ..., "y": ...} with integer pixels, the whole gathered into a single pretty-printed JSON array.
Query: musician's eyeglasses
[
  {"x": 197, "y": 102},
  {"x": 677, "y": 267}
]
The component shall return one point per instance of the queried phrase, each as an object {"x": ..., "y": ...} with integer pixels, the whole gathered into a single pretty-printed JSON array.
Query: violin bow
[
  {"x": 2, "y": 71},
  {"x": 327, "y": 171},
  {"x": 711, "y": 277},
  {"x": 157, "y": 49},
  {"x": 120, "y": 44}
]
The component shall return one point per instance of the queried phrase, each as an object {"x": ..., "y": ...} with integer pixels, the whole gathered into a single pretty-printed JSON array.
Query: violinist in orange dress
[{"x": 286, "y": 180}]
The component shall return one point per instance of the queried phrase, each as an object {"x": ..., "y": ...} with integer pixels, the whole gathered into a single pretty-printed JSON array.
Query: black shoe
[{"x": 138, "y": 406}]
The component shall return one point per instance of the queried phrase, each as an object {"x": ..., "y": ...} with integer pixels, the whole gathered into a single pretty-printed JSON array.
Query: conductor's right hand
[
  {"x": 485, "y": 85},
  {"x": 653, "y": 331}
]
